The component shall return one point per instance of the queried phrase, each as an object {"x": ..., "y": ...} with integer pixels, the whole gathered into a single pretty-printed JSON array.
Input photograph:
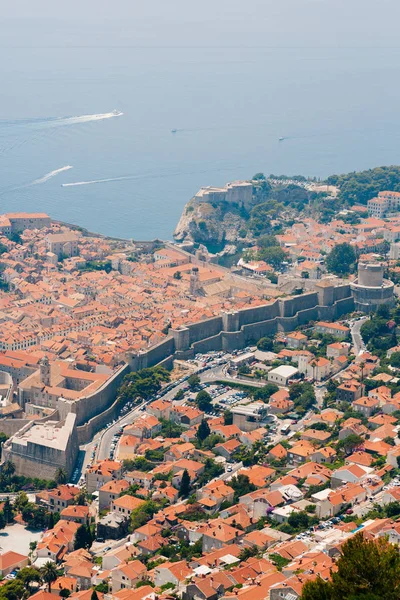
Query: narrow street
[{"x": 358, "y": 343}]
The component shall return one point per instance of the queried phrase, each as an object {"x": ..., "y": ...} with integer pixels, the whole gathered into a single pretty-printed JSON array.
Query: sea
[{"x": 206, "y": 91}]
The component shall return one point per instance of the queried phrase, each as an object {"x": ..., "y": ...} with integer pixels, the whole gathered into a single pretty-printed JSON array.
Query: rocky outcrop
[{"x": 216, "y": 215}]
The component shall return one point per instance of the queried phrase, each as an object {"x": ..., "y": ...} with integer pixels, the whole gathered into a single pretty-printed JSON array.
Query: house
[
  {"x": 10, "y": 561},
  {"x": 260, "y": 502},
  {"x": 56, "y": 542},
  {"x": 187, "y": 416},
  {"x": 366, "y": 406},
  {"x": 174, "y": 573},
  {"x": 318, "y": 368},
  {"x": 316, "y": 435},
  {"x": 282, "y": 375},
  {"x": 352, "y": 426},
  {"x": 300, "y": 452},
  {"x": 258, "y": 474},
  {"x": 296, "y": 339},
  {"x": 334, "y": 329},
  {"x": 110, "y": 491},
  {"x": 79, "y": 514},
  {"x": 112, "y": 526},
  {"x": 215, "y": 492},
  {"x": 125, "y": 505},
  {"x": 348, "y": 474},
  {"x": 119, "y": 555},
  {"x": 217, "y": 534},
  {"x": 360, "y": 458},
  {"x": 146, "y": 426},
  {"x": 337, "y": 349},
  {"x": 83, "y": 574},
  {"x": 191, "y": 466},
  {"x": 278, "y": 452},
  {"x": 178, "y": 451},
  {"x": 332, "y": 502},
  {"x": 324, "y": 455},
  {"x": 160, "y": 409},
  {"x": 248, "y": 438},
  {"x": 349, "y": 391},
  {"x": 151, "y": 545},
  {"x": 127, "y": 575},
  {"x": 393, "y": 457},
  {"x": 102, "y": 472},
  {"x": 228, "y": 449},
  {"x": 61, "y": 497},
  {"x": 280, "y": 403}
]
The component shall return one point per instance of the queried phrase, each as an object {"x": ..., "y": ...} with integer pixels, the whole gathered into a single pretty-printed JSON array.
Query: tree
[
  {"x": 395, "y": 360},
  {"x": 28, "y": 575},
  {"x": 299, "y": 519},
  {"x": 350, "y": 443},
  {"x": 8, "y": 511},
  {"x": 49, "y": 574},
  {"x": 366, "y": 570},
  {"x": 193, "y": 381},
  {"x": 94, "y": 596},
  {"x": 64, "y": 593},
  {"x": 83, "y": 538},
  {"x": 265, "y": 344},
  {"x": 341, "y": 259},
  {"x": 50, "y": 522},
  {"x": 228, "y": 417},
  {"x": 20, "y": 501},
  {"x": 8, "y": 469},
  {"x": 272, "y": 255},
  {"x": 257, "y": 176},
  {"x": 177, "y": 275},
  {"x": 184, "y": 487},
  {"x": 204, "y": 401},
  {"x": 265, "y": 392},
  {"x": 61, "y": 476},
  {"x": 203, "y": 431},
  {"x": 3, "y": 438},
  {"x": 242, "y": 486},
  {"x": 12, "y": 590}
]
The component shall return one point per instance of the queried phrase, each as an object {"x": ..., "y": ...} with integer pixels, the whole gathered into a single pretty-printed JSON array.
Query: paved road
[
  {"x": 358, "y": 343},
  {"x": 104, "y": 438}
]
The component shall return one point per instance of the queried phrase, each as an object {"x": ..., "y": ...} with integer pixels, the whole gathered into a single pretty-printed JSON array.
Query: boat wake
[
  {"x": 41, "y": 122},
  {"x": 86, "y": 118},
  {"x": 94, "y": 181},
  {"x": 50, "y": 175}
]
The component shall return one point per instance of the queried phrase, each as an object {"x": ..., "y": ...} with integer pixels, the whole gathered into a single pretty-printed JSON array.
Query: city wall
[
  {"x": 92, "y": 405},
  {"x": 230, "y": 331}
]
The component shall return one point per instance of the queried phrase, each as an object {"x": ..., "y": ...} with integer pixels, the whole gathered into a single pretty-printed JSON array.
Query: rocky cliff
[{"x": 215, "y": 215}]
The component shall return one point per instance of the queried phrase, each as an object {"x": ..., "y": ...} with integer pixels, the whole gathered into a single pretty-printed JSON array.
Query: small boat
[
  {"x": 281, "y": 139},
  {"x": 117, "y": 113},
  {"x": 174, "y": 130}
]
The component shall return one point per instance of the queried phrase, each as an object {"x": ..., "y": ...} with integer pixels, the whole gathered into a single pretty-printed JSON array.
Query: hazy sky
[{"x": 209, "y": 22}]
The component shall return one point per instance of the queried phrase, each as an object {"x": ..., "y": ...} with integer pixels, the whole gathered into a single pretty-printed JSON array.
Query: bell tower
[{"x": 45, "y": 371}]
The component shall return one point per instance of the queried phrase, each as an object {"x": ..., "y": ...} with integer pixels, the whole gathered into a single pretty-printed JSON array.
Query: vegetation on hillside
[
  {"x": 359, "y": 187},
  {"x": 366, "y": 570}
]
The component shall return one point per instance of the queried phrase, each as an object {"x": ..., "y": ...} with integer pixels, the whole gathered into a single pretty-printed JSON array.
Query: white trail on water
[
  {"x": 50, "y": 175},
  {"x": 94, "y": 181}
]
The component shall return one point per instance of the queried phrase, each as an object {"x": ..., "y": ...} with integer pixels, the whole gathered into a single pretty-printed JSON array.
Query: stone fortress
[{"x": 370, "y": 290}]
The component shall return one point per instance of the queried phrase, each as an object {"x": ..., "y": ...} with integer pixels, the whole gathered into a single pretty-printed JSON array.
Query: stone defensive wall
[
  {"x": 229, "y": 331},
  {"x": 237, "y": 329},
  {"x": 92, "y": 405}
]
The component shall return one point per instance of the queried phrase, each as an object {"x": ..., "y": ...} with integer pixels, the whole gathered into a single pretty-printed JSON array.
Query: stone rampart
[{"x": 90, "y": 406}]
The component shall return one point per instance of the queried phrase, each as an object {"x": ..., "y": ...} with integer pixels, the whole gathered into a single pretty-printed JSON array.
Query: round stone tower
[{"x": 370, "y": 289}]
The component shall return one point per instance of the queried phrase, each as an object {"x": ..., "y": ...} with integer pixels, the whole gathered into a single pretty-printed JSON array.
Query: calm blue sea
[{"x": 230, "y": 76}]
